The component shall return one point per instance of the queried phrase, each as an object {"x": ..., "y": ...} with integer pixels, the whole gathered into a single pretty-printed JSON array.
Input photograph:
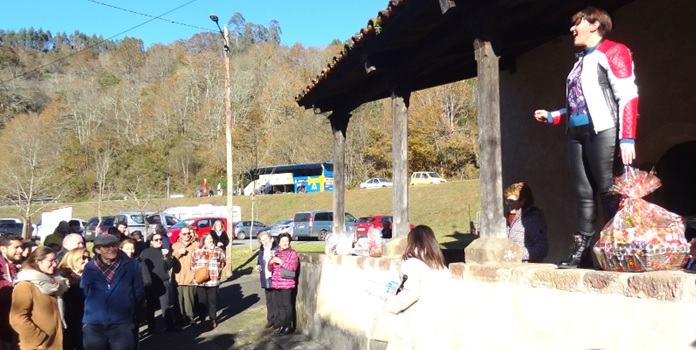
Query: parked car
[
  {"x": 380, "y": 222},
  {"x": 244, "y": 228},
  {"x": 318, "y": 223},
  {"x": 376, "y": 182},
  {"x": 92, "y": 230},
  {"x": 135, "y": 220},
  {"x": 282, "y": 226},
  {"x": 200, "y": 225},
  {"x": 11, "y": 227},
  {"x": 425, "y": 178},
  {"x": 167, "y": 220}
]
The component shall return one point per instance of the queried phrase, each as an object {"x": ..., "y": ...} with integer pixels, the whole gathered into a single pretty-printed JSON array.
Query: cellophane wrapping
[{"x": 642, "y": 236}]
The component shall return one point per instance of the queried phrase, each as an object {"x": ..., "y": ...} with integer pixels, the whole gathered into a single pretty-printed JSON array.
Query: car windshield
[
  {"x": 365, "y": 219},
  {"x": 183, "y": 223},
  {"x": 381, "y": 179},
  {"x": 433, "y": 175}
]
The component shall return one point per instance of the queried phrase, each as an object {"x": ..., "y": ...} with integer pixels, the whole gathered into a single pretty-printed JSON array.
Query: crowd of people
[{"x": 62, "y": 296}]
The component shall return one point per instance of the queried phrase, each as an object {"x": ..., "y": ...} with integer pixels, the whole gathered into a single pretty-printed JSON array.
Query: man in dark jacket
[
  {"x": 112, "y": 283},
  {"x": 11, "y": 248}
]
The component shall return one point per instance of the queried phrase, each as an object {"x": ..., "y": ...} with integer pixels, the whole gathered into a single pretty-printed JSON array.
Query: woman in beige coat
[
  {"x": 183, "y": 250},
  {"x": 421, "y": 306},
  {"x": 37, "y": 311}
]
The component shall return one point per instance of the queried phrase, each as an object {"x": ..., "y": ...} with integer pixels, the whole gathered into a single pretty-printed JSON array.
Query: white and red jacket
[{"x": 610, "y": 90}]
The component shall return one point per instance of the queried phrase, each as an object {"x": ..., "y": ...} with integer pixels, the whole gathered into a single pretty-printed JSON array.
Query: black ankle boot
[{"x": 579, "y": 248}]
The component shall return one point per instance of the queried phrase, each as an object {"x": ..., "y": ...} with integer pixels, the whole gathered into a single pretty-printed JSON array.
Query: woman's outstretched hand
[{"x": 541, "y": 115}]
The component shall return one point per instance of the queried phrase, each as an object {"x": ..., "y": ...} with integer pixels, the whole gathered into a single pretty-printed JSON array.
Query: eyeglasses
[
  {"x": 186, "y": 233},
  {"x": 157, "y": 239},
  {"x": 52, "y": 261}
]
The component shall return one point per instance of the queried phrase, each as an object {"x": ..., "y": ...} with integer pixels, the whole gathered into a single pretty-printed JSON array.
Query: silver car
[
  {"x": 243, "y": 228},
  {"x": 282, "y": 226}
]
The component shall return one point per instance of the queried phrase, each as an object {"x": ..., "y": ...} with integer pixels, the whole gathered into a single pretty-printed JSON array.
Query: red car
[
  {"x": 200, "y": 225},
  {"x": 377, "y": 221}
]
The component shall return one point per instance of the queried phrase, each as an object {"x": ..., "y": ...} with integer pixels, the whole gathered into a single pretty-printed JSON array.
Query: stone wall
[{"x": 511, "y": 306}]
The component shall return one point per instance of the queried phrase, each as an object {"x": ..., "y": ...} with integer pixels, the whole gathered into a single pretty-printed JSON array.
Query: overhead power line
[
  {"x": 147, "y": 15},
  {"x": 101, "y": 41}
]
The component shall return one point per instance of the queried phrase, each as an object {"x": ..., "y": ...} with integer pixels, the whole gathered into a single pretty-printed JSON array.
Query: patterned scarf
[{"x": 109, "y": 271}]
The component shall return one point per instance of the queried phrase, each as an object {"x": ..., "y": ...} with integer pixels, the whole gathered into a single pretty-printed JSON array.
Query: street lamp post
[{"x": 228, "y": 136}]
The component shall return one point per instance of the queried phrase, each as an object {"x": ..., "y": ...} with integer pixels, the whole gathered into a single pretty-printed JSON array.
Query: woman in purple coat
[{"x": 285, "y": 258}]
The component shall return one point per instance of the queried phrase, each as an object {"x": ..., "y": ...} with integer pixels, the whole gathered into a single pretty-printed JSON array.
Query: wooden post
[
  {"x": 492, "y": 220},
  {"x": 339, "y": 125},
  {"x": 400, "y": 102}
]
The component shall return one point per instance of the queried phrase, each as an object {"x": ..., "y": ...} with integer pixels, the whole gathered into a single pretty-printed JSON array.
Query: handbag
[
  {"x": 385, "y": 320},
  {"x": 201, "y": 275},
  {"x": 285, "y": 273},
  {"x": 382, "y": 327}
]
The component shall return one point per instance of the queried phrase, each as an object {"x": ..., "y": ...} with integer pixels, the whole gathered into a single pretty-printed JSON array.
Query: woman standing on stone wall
[
  {"x": 601, "y": 115},
  {"x": 422, "y": 302}
]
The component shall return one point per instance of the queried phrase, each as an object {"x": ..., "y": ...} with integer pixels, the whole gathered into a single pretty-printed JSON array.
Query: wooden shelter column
[
  {"x": 492, "y": 220},
  {"x": 399, "y": 103},
  {"x": 339, "y": 125}
]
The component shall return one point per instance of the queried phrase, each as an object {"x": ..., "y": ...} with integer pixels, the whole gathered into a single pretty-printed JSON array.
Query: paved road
[{"x": 242, "y": 314}]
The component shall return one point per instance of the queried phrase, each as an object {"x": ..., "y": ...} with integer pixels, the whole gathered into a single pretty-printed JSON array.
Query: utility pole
[{"x": 228, "y": 139}]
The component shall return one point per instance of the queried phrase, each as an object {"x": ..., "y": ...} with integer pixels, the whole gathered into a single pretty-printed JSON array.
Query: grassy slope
[{"x": 446, "y": 208}]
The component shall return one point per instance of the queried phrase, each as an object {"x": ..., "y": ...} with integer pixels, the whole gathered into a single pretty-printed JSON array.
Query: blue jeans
[{"x": 108, "y": 337}]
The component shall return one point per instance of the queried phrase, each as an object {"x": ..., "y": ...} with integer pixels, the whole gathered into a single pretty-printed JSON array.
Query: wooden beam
[
  {"x": 399, "y": 103},
  {"x": 339, "y": 126},
  {"x": 492, "y": 220}
]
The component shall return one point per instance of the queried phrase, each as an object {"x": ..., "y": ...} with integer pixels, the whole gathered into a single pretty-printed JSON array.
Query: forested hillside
[{"x": 81, "y": 116}]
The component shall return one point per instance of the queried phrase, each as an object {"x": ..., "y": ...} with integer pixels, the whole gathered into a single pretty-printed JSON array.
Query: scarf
[
  {"x": 49, "y": 285},
  {"x": 109, "y": 271}
]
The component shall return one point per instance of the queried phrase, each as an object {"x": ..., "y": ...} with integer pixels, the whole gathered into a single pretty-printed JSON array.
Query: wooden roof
[{"x": 419, "y": 44}]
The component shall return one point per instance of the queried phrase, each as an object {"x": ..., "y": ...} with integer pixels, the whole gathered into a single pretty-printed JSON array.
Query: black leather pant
[{"x": 593, "y": 164}]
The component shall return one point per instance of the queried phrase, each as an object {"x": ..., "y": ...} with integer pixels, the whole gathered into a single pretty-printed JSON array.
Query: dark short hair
[
  {"x": 5, "y": 239},
  {"x": 284, "y": 234},
  {"x": 121, "y": 223},
  {"x": 593, "y": 14}
]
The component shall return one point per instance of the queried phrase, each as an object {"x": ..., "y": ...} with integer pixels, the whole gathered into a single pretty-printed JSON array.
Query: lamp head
[{"x": 214, "y": 17}]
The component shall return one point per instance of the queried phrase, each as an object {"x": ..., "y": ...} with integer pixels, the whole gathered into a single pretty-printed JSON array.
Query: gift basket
[
  {"x": 642, "y": 236},
  {"x": 371, "y": 244},
  {"x": 340, "y": 244}
]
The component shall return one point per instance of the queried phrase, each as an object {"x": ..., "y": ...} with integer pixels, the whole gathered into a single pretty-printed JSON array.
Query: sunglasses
[{"x": 157, "y": 240}]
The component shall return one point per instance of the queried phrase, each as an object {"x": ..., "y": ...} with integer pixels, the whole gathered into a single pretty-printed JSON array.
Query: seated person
[{"x": 526, "y": 223}]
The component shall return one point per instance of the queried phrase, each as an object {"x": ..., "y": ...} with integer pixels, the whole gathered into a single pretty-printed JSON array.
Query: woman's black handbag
[{"x": 285, "y": 273}]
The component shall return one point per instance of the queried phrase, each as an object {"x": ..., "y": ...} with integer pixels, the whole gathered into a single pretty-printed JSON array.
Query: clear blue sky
[{"x": 310, "y": 22}]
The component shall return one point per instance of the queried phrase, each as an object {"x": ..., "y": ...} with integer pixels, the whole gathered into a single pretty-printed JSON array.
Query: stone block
[{"x": 493, "y": 250}]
